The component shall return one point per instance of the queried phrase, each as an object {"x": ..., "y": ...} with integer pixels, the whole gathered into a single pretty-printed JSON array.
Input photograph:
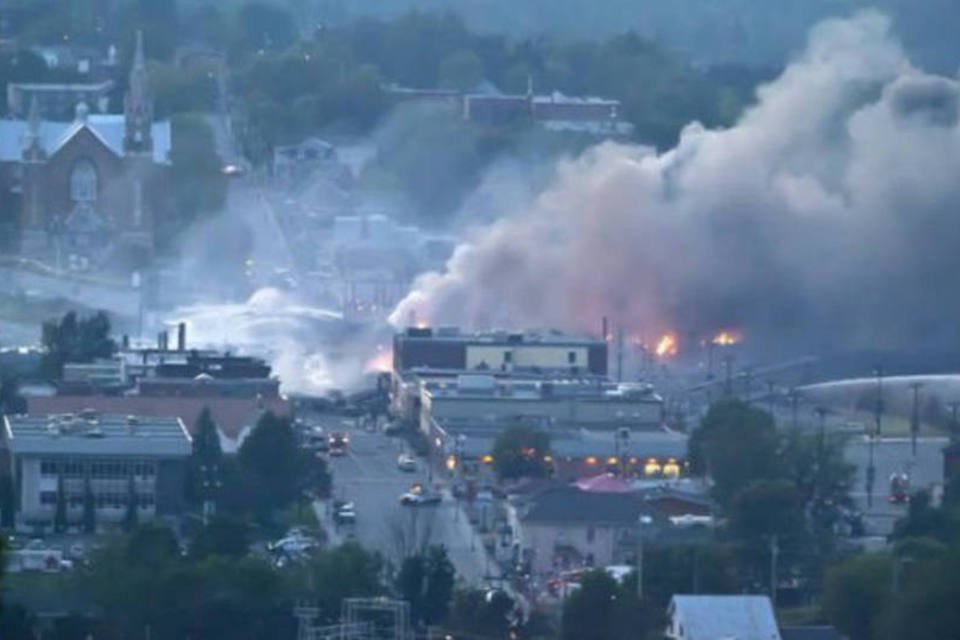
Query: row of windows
[
  {"x": 98, "y": 468},
  {"x": 508, "y": 357},
  {"x": 101, "y": 500}
]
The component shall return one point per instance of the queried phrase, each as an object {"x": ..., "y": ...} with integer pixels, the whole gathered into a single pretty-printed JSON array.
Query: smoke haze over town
[{"x": 825, "y": 214}]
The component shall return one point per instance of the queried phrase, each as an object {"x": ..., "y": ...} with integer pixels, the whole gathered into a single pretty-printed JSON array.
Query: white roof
[
  {"x": 558, "y": 98},
  {"x": 109, "y": 128},
  {"x": 725, "y": 617}
]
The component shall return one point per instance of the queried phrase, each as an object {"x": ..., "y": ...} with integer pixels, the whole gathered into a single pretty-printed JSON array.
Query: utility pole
[
  {"x": 794, "y": 401},
  {"x": 774, "y": 556},
  {"x": 878, "y": 418},
  {"x": 619, "y": 354},
  {"x": 641, "y": 521},
  {"x": 821, "y": 434},
  {"x": 915, "y": 417},
  {"x": 728, "y": 372}
]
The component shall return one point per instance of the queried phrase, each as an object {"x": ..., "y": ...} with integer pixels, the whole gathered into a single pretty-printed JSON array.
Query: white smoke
[
  {"x": 307, "y": 347},
  {"x": 831, "y": 205}
]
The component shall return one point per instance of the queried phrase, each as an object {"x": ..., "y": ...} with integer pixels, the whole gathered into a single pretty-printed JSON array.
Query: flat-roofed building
[
  {"x": 531, "y": 351},
  {"x": 576, "y": 404},
  {"x": 115, "y": 457},
  {"x": 423, "y": 355}
]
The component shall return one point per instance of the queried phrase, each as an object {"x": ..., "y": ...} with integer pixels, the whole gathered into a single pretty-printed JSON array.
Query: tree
[
  {"x": 89, "y": 508},
  {"x": 137, "y": 581},
  {"x": 856, "y": 593},
  {"x": 925, "y": 520},
  {"x": 132, "y": 515},
  {"x": 461, "y": 70},
  {"x": 925, "y": 604},
  {"x": 767, "y": 508},
  {"x": 75, "y": 339},
  {"x": 426, "y": 582},
  {"x": 735, "y": 445},
  {"x": 198, "y": 184},
  {"x": 329, "y": 577},
  {"x": 263, "y": 26},
  {"x": 11, "y": 402},
  {"x": 519, "y": 452},
  {"x": 480, "y": 613},
  {"x": 60, "y": 511},
  {"x": 685, "y": 568},
  {"x": 16, "y": 623},
  {"x": 8, "y": 501},
  {"x": 206, "y": 458},
  {"x": 604, "y": 609},
  {"x": 222, "y": 536},
  {"x": 273, "y": 466}
]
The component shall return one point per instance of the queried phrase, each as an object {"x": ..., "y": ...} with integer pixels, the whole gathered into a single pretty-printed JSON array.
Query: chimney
[
  {"x": 182, "y": 336},
  {"x": 160, "y": 341},
  {"x": 605, "y": 329},
  {"x": 125, "y": 342}
]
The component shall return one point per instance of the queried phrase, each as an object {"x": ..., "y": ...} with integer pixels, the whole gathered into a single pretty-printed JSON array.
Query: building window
[
  {"x": 572, "y": 357},
  {"x": 48, "y": 468},
  {"x": 507, "y": 357},
  {"x": 83, "y": 182},
  {"x": 48, "y": 497}
]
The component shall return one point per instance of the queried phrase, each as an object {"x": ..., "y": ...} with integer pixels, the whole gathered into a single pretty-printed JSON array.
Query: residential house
[{"x": 711, "y": 617}]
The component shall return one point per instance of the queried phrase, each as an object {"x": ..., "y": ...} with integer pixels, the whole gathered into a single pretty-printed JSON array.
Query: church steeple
[{"x": 138, "y": 105}]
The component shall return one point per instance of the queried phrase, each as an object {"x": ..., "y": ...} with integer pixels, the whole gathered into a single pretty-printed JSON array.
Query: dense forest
[{"x": 710, "y": 32}]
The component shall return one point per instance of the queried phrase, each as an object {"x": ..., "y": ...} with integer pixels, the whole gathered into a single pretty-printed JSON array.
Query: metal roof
[
  {"x": 96, "y": 434},
  {"x": 109, "y": 128},
  {"x": 725, "y": 617},
  {"x": 570, "y": 505}
]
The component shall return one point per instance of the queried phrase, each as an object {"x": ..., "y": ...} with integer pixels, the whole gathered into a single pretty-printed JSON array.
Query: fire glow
[
  {"x": 382, "y": 362},
  {"x": 727, "y": 338},
  {"x": 667, "y": 346}
]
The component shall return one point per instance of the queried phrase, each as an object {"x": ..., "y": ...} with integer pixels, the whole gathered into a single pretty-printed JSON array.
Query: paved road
[
  {"x": 368, "y": 476},
  {"x": 893, "y": 455}
]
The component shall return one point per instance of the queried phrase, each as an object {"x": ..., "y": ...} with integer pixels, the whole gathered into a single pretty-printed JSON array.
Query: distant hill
[{"x": 710, "y": 32}]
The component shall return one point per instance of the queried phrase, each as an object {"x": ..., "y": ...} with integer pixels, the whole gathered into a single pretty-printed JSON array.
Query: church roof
[{"x": 53, "y": 135}]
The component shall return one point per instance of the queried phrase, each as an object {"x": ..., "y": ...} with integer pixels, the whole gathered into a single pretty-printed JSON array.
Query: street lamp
[{"x": 642, "y": 522}]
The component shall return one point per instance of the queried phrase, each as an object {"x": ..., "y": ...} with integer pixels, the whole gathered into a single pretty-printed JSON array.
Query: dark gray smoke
[{"x": 828, "y": 214}]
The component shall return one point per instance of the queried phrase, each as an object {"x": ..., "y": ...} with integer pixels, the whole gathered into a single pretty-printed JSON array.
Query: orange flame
[
  {"x": 727, "y": 338},
  {"x": 382, "y": 362},
  {"x": 667, "y": 346}
]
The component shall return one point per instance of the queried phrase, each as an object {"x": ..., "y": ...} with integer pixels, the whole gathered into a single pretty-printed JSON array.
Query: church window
[{"x": 83, "y": 182}]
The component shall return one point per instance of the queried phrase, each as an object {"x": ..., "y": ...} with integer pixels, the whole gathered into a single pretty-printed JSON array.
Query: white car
[
  {"x": 420, "y": 498},
  {"x": 406, "y": 462}
]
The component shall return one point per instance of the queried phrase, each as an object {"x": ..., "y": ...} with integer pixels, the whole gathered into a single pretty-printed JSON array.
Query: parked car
[
  {"x": 346, "y": 513},
  {"x": 406, "y": 462}
]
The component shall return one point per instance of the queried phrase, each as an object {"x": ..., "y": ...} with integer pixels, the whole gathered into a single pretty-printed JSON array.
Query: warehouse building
[{"x": 106, "y": 459}]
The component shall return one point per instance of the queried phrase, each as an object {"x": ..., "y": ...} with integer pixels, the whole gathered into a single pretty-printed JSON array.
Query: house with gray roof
[
  {"x": 712, "y": 617},
  {"x": 564, "y": 527}
]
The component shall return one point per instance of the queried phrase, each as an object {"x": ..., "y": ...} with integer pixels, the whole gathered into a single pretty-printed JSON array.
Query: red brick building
[{"x": 85, "y": 188}]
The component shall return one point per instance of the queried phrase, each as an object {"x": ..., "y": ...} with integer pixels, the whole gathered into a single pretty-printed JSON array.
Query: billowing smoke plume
[{"x": 831, "y": 207}]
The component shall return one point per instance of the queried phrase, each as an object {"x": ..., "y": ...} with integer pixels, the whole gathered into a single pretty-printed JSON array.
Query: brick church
[{"x": 85, "y": 189}]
